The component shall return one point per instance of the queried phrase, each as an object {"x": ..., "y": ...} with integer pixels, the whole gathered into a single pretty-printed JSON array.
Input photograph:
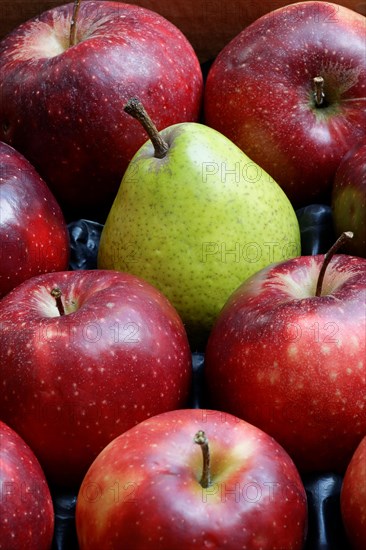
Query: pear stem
[
  {"x": 135, "y": 108},
  {"x": 319, "y": 94},
  {"x": 56, "y": 293},
  {"x": 75, "y": 13},
  {"x": 201, "y": 440},
  {"x": 346, "y": 236}
]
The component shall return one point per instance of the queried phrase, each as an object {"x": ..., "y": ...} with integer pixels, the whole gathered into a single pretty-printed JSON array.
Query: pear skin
[{"x": 197, "y": 223}]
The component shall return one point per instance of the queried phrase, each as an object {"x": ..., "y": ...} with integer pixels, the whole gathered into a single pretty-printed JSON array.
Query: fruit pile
[{"x": 183, "y": 278}]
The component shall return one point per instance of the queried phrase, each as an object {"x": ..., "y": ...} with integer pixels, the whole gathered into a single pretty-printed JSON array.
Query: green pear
[{"x": 196, "y": 217}]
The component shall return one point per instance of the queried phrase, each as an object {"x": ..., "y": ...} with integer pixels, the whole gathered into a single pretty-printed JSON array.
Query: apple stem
[
  {"x": 319, "y": 90},
  {"x": 56, "y": 293},
  {"x": 135, "y": 108},
  {"x": 73, "y": 22},
  {"x": 201, "y": 440},
  {"x": 346, "y": 236}
]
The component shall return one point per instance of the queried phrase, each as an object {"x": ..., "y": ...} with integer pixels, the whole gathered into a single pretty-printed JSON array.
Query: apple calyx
[
  {"x": 201, "y": 440},
  {"x": 74, "y": 17},
  {"x": 319, "y": 94},
  {"x": 346, "y": 236},
  {"x": 56, "y": 293},
  {"x": 135, "y": 108}
]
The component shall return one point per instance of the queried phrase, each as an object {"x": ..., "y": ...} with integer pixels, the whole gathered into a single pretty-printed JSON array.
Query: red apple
[
  {"x": 61, "y": 105},
  {"x": 261, "y": 93},
  {"x": 349, "y": 199},
  {"x": 293, "y": 362},
  {"x": 72, "y": 382},
  {"x": 26, "y": 508},
  {"x": 208, "y": 25},
  {"x": 33, "y": 233},
  {"x": 154, "y": 488},
  {"x": 353, "y": 498}
]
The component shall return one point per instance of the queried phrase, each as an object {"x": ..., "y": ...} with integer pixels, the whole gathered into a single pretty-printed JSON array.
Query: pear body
[{"x": 197, "y": 223}]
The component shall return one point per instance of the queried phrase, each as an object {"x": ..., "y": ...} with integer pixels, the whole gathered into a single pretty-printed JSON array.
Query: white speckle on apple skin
[
  {"x": 292, "y": 351},
  {"x": 26, "y": 495}
]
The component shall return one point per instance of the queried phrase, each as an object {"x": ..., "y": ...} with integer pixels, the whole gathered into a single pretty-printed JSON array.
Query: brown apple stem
[
  {"x": 56, "y": 293},
  {"x": 135, "y": 108},
  {"x": 201, "y": 439},
  {"x": 346, "y": 236},
  {"x": 319, "y": 90},
  {"x": 75, "y": 13}
]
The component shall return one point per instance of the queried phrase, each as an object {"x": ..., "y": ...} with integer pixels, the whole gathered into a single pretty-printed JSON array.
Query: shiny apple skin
[
  {"x": 26, "y": 509},
  {"x": 62, "y": 107},
  {"x": 259, "y": 93},
  {"x": 33, "y": 233},
  {"x": 294, "y": 364},
  {"x": 73, "y": 382},
  {"x": 209, "y": 26},
  {"x": 143, "y": 492}
]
